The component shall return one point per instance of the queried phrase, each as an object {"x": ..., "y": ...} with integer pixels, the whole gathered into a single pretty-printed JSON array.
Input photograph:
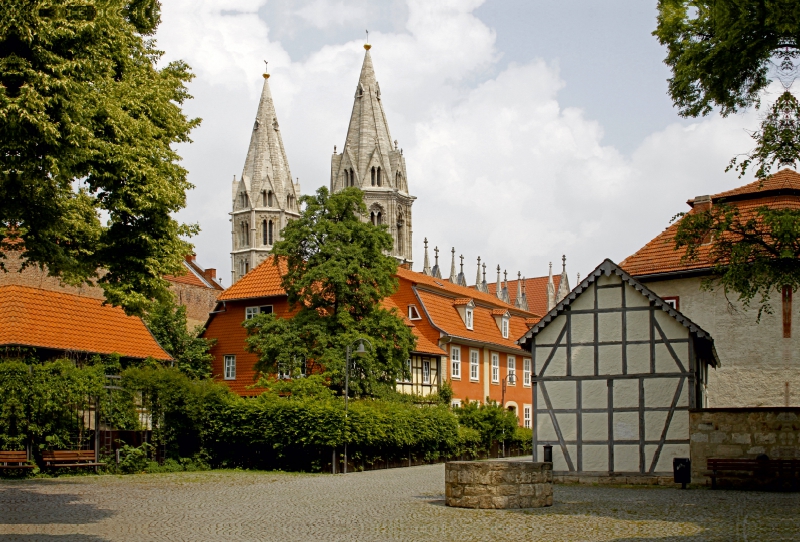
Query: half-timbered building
[{"x": 615, "y": 371}]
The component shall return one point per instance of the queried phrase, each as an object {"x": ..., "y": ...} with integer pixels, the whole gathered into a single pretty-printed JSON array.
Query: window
[
  {"x": 456, "y": 403},
  {"x": 473, "y": 365},
  {"x": 455, "y": 361},
  {"x": 347, "y": 178},
  {"x": 495, "y": 368},
  {"x": 373, "y": 176},
  {"x": 674, "y": 302},
  {"x": 264, "y": 232},
  {"x": 269, "y": 198},
  {"x": 269, "y": 233},
  {"x": 379, "y": 176},
  {"x": 408, "y": 376},
  {"x": 413, "y": 313},
  {"x": 526, "y": 372},
  {"x": 283, "y": 372},
  {"x": 526, "y": 416},
  {"x": 230, "y": 367},
  {"x": 352, "y": 177},
  {"x": 505, "y": 328},
  {"x": 468, "y": 318},
  {"x": 426, "y": 371},
  {"x": 264, "y": 198},
  {"x": 511, "y": 362},
  {"x": 252, "y": 312}
]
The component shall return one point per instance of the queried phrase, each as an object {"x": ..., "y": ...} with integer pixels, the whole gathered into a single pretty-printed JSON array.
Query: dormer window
[
  {"x": 502, "y": 317},
  {"x": 466, "y": 309},
  {"x": 413, "y": 313}
]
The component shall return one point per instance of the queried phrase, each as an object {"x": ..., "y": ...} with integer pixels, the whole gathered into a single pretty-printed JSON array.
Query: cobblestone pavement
[{"x": 398, "y": 504}]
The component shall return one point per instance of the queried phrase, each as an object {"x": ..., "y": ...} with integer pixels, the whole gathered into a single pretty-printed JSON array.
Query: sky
[{"x": 531, "y": 129}]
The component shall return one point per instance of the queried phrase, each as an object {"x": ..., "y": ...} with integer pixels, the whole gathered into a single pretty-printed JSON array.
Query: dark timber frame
[{"x": 691, "y": 376}]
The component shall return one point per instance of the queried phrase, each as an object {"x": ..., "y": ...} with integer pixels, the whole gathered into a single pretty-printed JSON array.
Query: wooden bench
[
  {"x": 14, "y": 460},
  {"x": 759, "y": 468},
  {"x": 56, "y": 459}
]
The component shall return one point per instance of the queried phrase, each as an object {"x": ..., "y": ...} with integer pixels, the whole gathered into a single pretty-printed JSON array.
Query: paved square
[{"x": 398, "y": 504}]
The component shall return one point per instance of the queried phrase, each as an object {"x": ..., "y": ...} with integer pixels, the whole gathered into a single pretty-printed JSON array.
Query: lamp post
[
  {"x": 360, "y": 352},
  {"x": 510, "y": 379}
]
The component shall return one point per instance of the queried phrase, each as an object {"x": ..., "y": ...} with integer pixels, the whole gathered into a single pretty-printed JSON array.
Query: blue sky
[{"x": 530, "y": 128}]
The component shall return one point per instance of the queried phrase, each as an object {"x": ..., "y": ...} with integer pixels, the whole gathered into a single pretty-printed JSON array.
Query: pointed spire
[
  {"x": 462, "y": 279},
  {"x": 426, "y": 270},
  {"x": 505, "y": 297},
  {"x": 498, "y": 290},
  {"x": 563, "y": 283},
  {"x": 484, "y": 284},
  {"x": 453, "y": 276},
  {"x": 551, "y": 290},
  {"x": 478, "y": 284},
  {"x": 523, "y": 302},
  {"x": 518, "y": 299},
  {"x": 436, "y": 272},
  {"x": 266, "y": 168}
]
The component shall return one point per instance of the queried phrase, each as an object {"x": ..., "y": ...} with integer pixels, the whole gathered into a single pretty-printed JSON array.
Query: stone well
[{"x": 498, "y": 484}]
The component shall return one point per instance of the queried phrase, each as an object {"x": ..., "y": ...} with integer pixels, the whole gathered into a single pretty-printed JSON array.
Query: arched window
[
  {"x": 269, "y": 232},
  {"x": 352, "y": 177},
  {"x": 379, "y": 219},
  {"x": 379, "y": 176},
  {"x": 346, "y": 178},
  {"x": 373, "y": 176},
  {"x": 264, "y": 232},
  {"x": 400, "y": 224},
  {"x": 264, "y": 197},
  {"x": 269, "y": 198},
  {"x": 245, "y": 234}
]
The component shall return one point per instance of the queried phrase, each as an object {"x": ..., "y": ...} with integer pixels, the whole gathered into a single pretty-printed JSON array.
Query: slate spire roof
[{"x": 266, "y": 167}]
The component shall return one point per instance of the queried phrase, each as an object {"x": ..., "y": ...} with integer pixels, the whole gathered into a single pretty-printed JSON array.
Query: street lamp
[{"x": 360, "y": 352}]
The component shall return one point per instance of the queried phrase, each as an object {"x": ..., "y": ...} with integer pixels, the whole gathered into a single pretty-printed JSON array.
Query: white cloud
[{"x": 500, "y": 169}]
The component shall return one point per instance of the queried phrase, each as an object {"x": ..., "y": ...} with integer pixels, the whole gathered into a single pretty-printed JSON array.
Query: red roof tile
[
  {"x": 262, "y": 281},
  {"x": 780, "y": 191},
  {"x": 535, "y": 292},
  {"x": 60, "y": 321}
]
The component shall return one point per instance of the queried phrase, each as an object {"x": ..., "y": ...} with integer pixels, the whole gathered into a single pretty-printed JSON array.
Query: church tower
[
  {"x": 265, "y": 197},
  {"x": 372, "y": 161}
]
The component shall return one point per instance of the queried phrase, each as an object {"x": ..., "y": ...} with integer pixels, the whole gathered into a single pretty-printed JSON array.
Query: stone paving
[{"x": 399, "y": 504}]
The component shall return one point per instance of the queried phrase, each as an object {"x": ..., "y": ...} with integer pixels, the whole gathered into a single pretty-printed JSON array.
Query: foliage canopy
[
  {"x": 338, "y": 273},
  {"x": 87, "y": 125},
  {"x": 167, "y": 322}
]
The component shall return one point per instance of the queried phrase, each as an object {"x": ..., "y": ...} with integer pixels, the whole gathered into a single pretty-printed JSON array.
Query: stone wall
[
  {"x": 498, "y": 484},
  {"x": 742, "y": 433},
  {"x": 760, "y": 368}
]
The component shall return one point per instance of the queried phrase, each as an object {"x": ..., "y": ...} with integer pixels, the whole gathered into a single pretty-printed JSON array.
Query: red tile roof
[
  {"x": 195, "y": 275},
  {"x": 535, "y": 292},
  {"x": 262, "y": 281},
  {"x": 438, "y": 296},
  {"x": 60, "y": 321},
  {"x": 779, "y": 191},
  {"x": 424, "y": 344}
]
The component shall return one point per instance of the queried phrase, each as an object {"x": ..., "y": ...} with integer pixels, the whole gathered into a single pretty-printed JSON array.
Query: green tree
[
  {"x": 338, "y": 273},
  {"x": 87, "y": 127},
  {"x": 167, "y": 323},
  {"x": 721, "y": 53}
]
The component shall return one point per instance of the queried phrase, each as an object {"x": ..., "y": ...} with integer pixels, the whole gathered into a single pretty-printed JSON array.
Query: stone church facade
[{"x": 265, "y": 197}]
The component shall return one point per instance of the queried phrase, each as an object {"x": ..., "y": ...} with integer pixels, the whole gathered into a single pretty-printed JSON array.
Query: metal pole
[{"x": 346, "y": 394}]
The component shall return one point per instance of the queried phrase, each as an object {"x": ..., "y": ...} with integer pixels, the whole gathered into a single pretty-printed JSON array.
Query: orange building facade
[{"x": 463, "y": 336}]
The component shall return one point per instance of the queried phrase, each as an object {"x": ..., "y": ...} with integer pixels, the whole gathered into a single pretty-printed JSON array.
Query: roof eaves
[{"x": 607, "y": 268}]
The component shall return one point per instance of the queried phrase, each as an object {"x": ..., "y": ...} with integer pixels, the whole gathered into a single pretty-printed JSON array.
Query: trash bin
[
  {"x": 548, "y": 453},
  {"x": 682, "y": 471}
]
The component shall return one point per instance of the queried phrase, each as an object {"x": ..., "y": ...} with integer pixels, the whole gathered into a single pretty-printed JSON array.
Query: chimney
[
  {"x": 190, "y": 258},
  {"x": 210, "y": 274},
  {"x": 700, "y": 203}
]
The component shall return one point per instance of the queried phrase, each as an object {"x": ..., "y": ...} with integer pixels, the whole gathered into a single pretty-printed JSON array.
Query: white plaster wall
[
  {"x": 626, "y": 458},
  {"x": 757, "y": 361}
]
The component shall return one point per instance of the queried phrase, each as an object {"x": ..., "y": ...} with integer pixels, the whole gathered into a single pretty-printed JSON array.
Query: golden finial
[
  {"x": 266, "y": 75},
  {"x": 367, "y": 46}
]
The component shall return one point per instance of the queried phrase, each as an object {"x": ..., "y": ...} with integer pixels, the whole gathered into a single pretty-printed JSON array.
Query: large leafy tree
[
  {"x": 167, "y": 322},
  {"x": 87, "y": 126},
  {"x": 338, "y": 273},
  {"x": 722, "y": 54}
]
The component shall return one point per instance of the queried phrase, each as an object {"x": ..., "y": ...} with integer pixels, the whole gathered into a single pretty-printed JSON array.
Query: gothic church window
[
  {"x": 264, "y": 232},
  {"x": 352, "y": 177},
  {"x": 269, "y": 198},
  {"x": 346, "y": 178},
  {"x": 373, "y": 176},
  {"x": 269, "y": 233},
  {"x": 378, "y": 176},
  {"x": 264, "y": 197}
]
